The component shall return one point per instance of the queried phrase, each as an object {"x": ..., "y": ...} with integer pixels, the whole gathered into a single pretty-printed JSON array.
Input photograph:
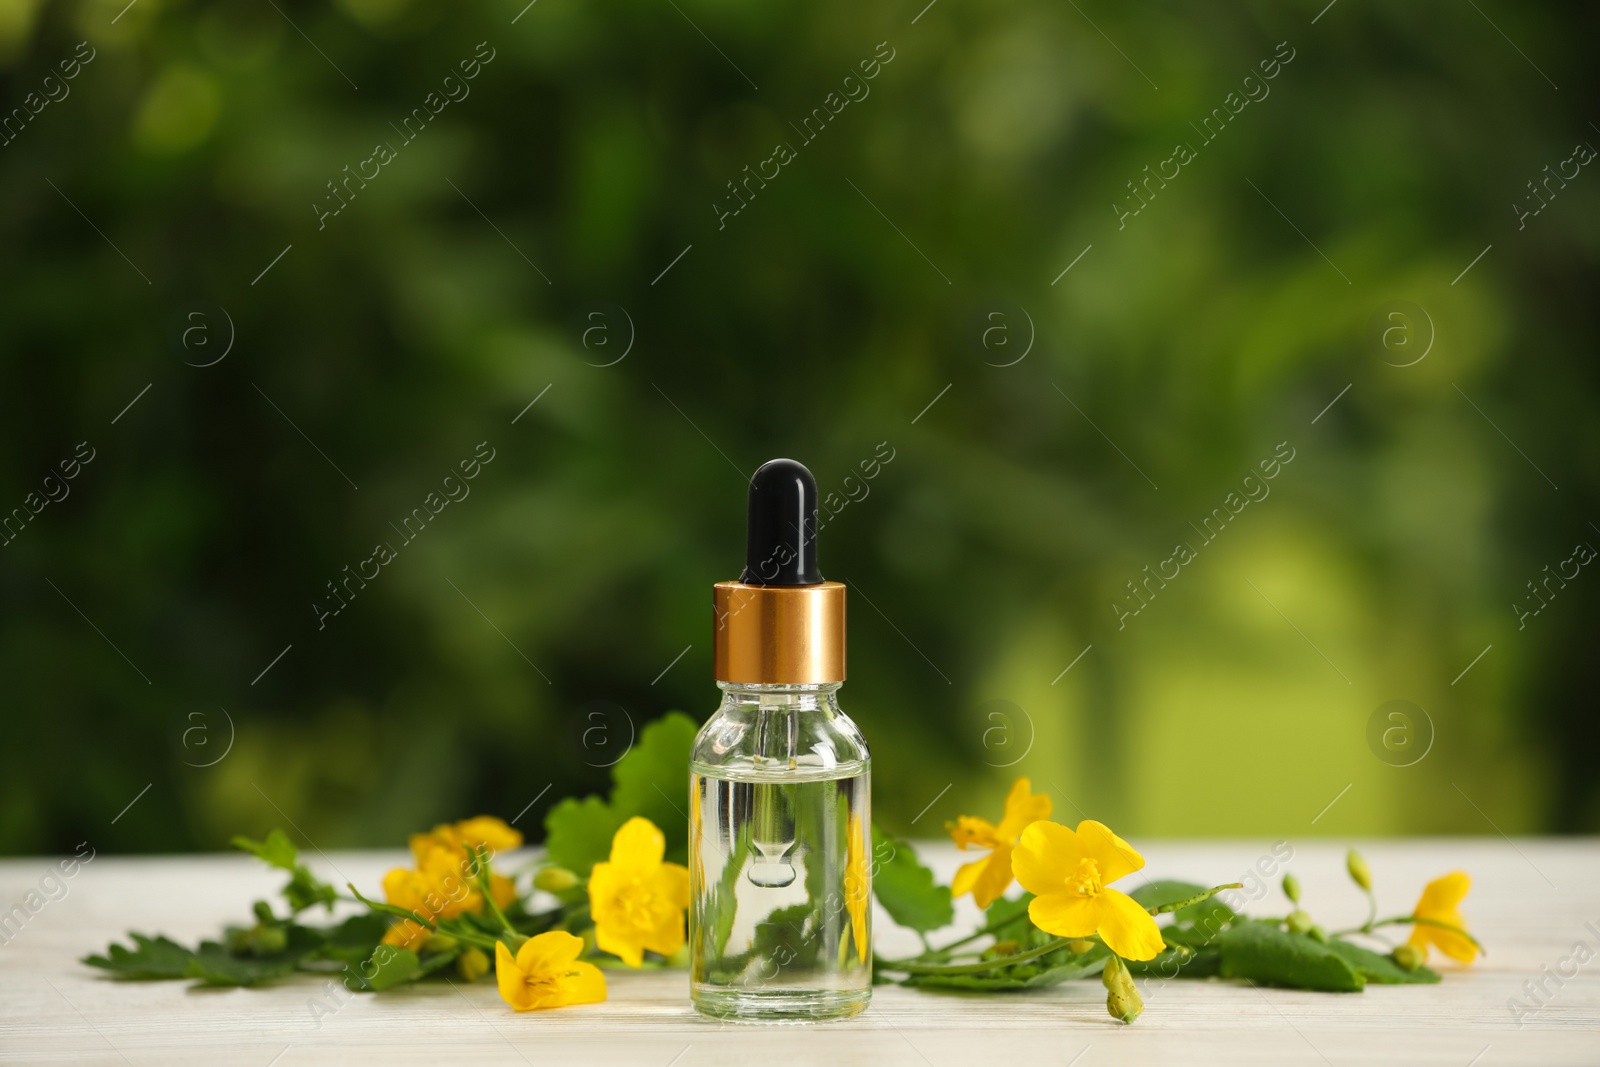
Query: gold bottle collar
[{"x": 778, "y": 635}]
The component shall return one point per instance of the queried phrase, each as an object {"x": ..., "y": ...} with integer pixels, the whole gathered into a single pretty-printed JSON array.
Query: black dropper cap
[{"x": 780, "y": 546}]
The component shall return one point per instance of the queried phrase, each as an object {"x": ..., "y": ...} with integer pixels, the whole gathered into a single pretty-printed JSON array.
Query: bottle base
[{"x": 780, "y": 1006}]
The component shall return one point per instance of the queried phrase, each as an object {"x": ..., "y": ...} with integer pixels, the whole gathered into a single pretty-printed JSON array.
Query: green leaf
[
  {"x": 152, "y": 959},
  {"x": 1263, "y": 953},
  {"x": 1008, "y": 920},
  {"x": 1203, "y": 963},
  {"x": 724, "y": 903},
  {"x": 277, "y": 850},
  {"x": 1162, "y": 890},
  {"x": 906, "y": 888},
  {"x": 1037, "y": 974},
  {"x": 436, "y": 961},
  {"x": 354, "y": 939},
  {"x": 1207, "y": 917},
  {"x": 981, "y": 983},
  {"x": 1179, "y": 960},
  {"x": 303, "y": 888},
  {"x": 215, "y": 964},
  {"x": 1090, "y": 963},
  {"x": 388, "y": 966},
  {"x": 578, "y": 833},
  {"x": 784, "y": 934},
  {"x": 1381, "y": 969},
  {"x": 387, "y": 969},
  {"x": 1188, "y": 903},
  {"x": 652, "y": 780}
]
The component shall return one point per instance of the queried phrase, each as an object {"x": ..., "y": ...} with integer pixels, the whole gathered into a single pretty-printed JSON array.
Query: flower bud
[
  {"x": 1004, "y": 948},
  {"x": 1299, "y": 922},
  {"x": 1358, "y": 870},
  {"x": 1317, "y": 933},
  {"x": 472, "y": 964},
  {"x": 270, "y": 939},
  {"x": 437, "y": 942},
  {"x": 1122, "y": 996},
  {"x": 555, "y": 880},
  {"x": 1408, "y": 957},
  {"x": 1078, "y": 948},
  {"x": 1291, "y": 888}
]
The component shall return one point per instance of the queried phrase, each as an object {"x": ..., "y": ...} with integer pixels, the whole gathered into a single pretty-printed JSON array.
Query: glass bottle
[
  {"x": 780, "y": 915},
  {"x": 780, "y": 810}
]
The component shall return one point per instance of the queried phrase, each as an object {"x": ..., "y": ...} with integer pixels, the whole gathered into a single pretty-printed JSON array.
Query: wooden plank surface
[{"x": 1532, "y": 902}]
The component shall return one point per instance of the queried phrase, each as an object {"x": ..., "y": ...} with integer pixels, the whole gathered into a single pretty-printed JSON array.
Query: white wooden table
[{"x": 1530, "y": 904}]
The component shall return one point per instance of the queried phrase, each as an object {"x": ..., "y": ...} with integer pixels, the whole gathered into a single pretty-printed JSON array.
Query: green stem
[
  {"x": 392, "y": 909},
  {"x": 1413, "y": 920},
  {"x": 481, "y": 858},
  {"x": 974, "y": 968},
  {"x": 1176, "y": 905},
  {"x": 500, "y": 917},
  {"x": 1372, "y": 911},
  {"x": 991, "y": 928},
  {"x": 471, "y": 937}
]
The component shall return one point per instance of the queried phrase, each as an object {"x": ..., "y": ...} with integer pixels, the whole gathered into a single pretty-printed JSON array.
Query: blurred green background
[{"x": 507, "y": 654}]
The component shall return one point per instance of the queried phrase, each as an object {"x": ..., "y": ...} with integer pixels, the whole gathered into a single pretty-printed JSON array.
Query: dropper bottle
[{"x": 780, "y": 785}]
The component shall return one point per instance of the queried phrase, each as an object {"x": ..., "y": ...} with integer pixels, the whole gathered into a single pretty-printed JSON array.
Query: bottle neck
[
  {"x": 818, "y": 696},
  {"x": 822, "y": 696}
]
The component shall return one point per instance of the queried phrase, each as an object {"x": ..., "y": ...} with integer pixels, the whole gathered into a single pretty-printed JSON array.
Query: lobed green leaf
[
  {"x": 1265, "y": 954},
  {"x": 906, "y": 889}
]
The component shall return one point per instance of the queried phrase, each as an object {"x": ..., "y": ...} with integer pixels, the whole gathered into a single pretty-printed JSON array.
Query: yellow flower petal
[
  {"x": 994, "y": 877},
  {"x": 1126, "y": 928},
  {"x": 620, "y": 942},
  {"x": 858, "y": 887},
  {"x": 405, "y": 934},
  {"x": 671, "y": 884},
  {"x": 1046, "y": 858},
  {"x": 546, "y": 973},
  {"x": 1065, "y": 915},
  {"x": 1449, "y": 942},
  {"x": 1440, "y": 902},
  {"x": 639, "y": 844},
  {"x": 1443, "y": 894},
  {"x": 583, "y": 984},
  {"x": 550, "y": 951},
  {"x": 967, "y": 876},
  {"x": 667, "y": 938},
  {"x": 970, "y": 831},
  {"x": 488, "y": 830},
  {"x": 512, "y": 982},
  {"x": 440, "y": 836},
  {"x": 636, "y": 900},
  {"x": 1114, "y": 856},
  {"x": 1023, "y": 806}
]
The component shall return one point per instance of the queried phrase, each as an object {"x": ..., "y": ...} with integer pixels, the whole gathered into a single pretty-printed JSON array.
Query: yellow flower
[
  {"x": 1441, "y": 902},
  {"x": 444, "y": 883},
  {"x": 546, "y": 973},
  {"x": 858, "y": 886},
  {"x": 437, "y": 889},
  {"x": 479, "y": 830},
  {"x": 406, "y": 934},
  {"x": 988, "y": 879},
  {"x": 1068, "y": 873},
  {"x": 636, "y": 900}
]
